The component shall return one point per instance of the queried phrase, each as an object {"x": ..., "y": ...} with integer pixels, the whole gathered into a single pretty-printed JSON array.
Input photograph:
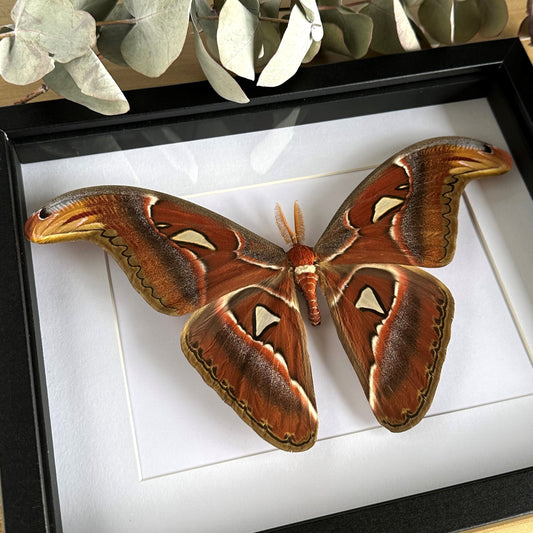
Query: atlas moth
[{"x": 246, "y": 336}]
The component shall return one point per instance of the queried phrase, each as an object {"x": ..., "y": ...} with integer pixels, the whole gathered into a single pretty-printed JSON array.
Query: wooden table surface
[{"x": 186, "y": 69}]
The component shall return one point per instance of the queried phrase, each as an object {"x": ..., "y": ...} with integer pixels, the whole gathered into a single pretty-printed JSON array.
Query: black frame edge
[
  {"x": 459, "y": 507},
  {"x": 26, "y": 460}
]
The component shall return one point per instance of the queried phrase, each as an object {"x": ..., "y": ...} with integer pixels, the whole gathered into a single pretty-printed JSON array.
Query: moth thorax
[{"x": 302, "y": 259}]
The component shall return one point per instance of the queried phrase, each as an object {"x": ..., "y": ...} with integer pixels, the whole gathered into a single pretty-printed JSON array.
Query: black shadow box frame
[{"x": 499, "y": 71}]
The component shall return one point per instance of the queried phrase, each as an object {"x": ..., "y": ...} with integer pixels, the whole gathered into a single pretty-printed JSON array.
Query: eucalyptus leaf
[
  {"x": 236, "y": 38},
  {"x": 23, "y": 62},
  {"x": 270, "y": 8},
  {"x": 494, "y": 16},
  {"x": 385, "y": 38},
  {"x": 269, "y": 31},
  {"x": 270, "y": 39},
  {"x": 85, "y": 80},
  {"x": 252, "y": 6},
  {"x": 46, "y": 31},
  {"x": 467, "y": 20},
  {"x": 411, "y": 10},
  {"x": 312, "y": 52},
  {"x": 111, "y": 36},
  {"x": 449, "y": 21},
  {"x": 437, "y": 19},
  {"x": 310, "y": 9},
  {"x": 404, "y": 30},
  {"x": 219, "y": 78},
  {"x": 157, "y": 38},
  {"x": 331, "y": 3},
  {"x": 412, "y": 4},
  {"x": 209, "y": 25},
  {"x": 346, "y": 32},
  {"x": 98, "y": 9},
  {"x": 333, "y": 39},
  {"x": 294, "y": 46}
]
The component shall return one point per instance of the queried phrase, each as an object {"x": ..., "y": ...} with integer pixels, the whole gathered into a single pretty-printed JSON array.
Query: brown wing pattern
[
  {"x": 178, "y": 255},
  {"x": 405, "y": 212}
]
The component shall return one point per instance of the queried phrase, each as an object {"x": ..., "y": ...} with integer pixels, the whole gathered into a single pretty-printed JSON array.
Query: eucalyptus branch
[
  {"x": 7, "y": 34},
  {"x": 266, "y": 19},
  {"x": 34, "y": 94},
  {"x": 353, "y": 28},
  {"x": 349, "y": 4},
  {"x": 272, "y": 19},
  {"x": 115, "y": 22}
]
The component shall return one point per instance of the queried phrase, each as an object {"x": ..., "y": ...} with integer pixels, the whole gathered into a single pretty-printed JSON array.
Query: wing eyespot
[{"x": 44, "y": 213}]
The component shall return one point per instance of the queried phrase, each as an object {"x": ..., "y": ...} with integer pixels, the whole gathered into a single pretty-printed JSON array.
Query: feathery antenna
[
  {"x": 291, "y": 237},
  {"x": 299, "y": 226}
]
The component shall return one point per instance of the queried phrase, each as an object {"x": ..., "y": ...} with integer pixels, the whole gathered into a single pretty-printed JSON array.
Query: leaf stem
[
  {"x": 267, "y": 19},
  {"x": 7, "y": 34},
  {"x": 354, "y": 3},
  {"x": 272, "y": 19},
  {"x": 34, "y": 94},
  {"x": 114, "y": 22}
]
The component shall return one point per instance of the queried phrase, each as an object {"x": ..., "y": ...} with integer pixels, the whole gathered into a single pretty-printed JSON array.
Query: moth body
[{"x": 302, "y": 259}]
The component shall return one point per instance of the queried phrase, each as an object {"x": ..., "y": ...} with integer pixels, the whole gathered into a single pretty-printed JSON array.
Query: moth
[{"x": 246, "y": 336}]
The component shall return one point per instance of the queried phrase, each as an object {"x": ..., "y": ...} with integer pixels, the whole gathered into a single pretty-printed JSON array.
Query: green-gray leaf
[
  {"x": 294, "y": 46},
  {"x": 219, "y": 78},
  {"x": 346, "y": 32},
  {"x": 437, "y": 19},
  {"x": 385, "y": 38},
  {"x": 270, "y": 8},
  {"x": 111, "y": 36},
  {"x": 209, "y": 25},
  {"x": 270, "y": 39},
  {"x": 404, "y": 30},
  {"x": 45, "y": 31},
  {"x": 99, "y": 9},
  {"x": 337, "y": 3},
  {"x": 449, "y": 21},
  {"x": 333, "y": 39},
  {"x": 85, "y": 80},
  {"x": 157, "y": 38},
  {"x": 494, "y": 17},
  {"x": 235, "y": 38},
  {"x": 467, "y": 20},
  {"x": 310, "y": 9},
  {"x": 412, "y": 4},
  {"x": 313, "y": 50}
]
